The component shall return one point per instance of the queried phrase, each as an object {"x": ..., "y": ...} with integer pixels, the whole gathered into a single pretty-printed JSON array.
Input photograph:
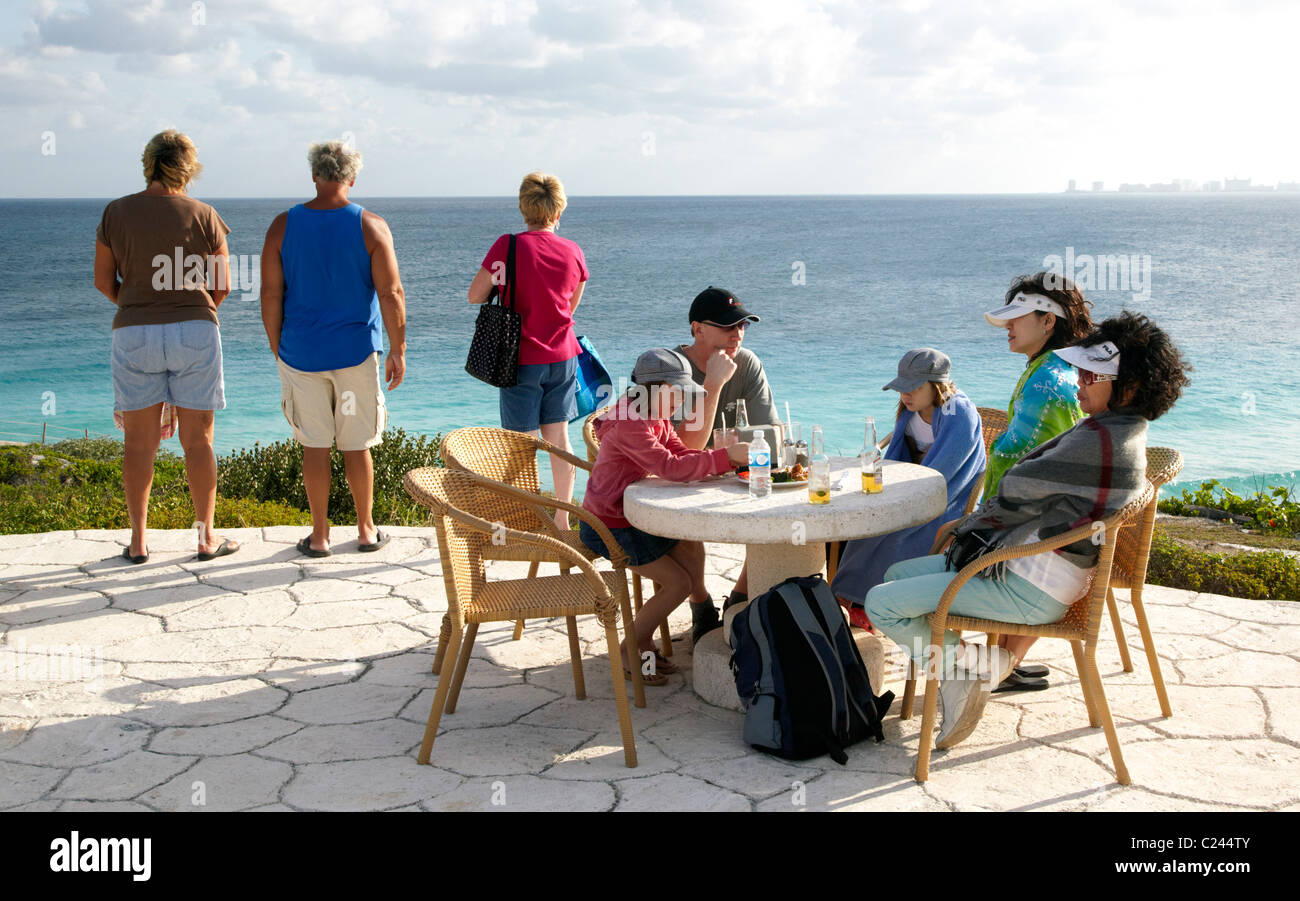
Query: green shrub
[
  {"x": 54, "y": 493},
  {"x": 274, "y": 473},
  {"x": 1273, "y": 509},
  {"x": 1258, "y": 575}
]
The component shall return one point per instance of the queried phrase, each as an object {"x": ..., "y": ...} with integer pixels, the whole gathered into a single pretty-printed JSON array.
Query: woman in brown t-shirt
[{"x": 161, "y": 257}]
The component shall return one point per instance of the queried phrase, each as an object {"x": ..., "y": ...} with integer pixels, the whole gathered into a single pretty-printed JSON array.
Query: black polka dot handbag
[{"x": 494, "y": 352}]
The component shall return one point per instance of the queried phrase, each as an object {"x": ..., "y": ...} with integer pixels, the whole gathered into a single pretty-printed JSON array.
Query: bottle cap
[{"x": 758, "y": 436}]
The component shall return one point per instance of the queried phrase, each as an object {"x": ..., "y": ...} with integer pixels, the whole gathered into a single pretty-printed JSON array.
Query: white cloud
[{"x": 803, "y": 95}]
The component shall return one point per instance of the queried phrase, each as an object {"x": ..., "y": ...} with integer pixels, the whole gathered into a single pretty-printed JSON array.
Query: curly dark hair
[
  {"x": 1077, "y": 321},
  {"x": 1149, "y": 363}
]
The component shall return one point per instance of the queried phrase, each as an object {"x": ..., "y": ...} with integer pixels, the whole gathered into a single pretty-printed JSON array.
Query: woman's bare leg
[
  {"x": 142, "y": 434},
  {"x": 562, "y": 471}
]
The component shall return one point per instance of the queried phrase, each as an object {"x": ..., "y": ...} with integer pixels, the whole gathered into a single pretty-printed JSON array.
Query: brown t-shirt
[{"x": 162, "y": 244}]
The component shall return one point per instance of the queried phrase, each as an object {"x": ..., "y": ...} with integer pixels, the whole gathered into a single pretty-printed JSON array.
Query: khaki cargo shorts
[{"x": 343, "y": 406}]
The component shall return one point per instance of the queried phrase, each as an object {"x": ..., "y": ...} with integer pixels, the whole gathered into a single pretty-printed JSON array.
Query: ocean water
[{"x": 844, "y": 286}]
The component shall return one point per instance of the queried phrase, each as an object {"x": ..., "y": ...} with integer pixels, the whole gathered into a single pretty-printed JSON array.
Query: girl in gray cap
[{"x": 936, "y": 426}]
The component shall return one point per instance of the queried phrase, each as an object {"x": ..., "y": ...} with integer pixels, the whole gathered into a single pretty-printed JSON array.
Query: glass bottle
[
  {"x": 742, "y": 416},
  {"x": 819, "y": 470},
  {"x": 872, "y": 461}
]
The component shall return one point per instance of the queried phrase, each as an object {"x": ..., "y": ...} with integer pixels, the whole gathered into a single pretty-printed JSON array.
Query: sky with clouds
[{"x": 627, "y": 97}]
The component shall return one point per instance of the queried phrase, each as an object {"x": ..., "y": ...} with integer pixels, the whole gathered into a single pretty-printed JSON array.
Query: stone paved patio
[{"x": 267, "y": 681}]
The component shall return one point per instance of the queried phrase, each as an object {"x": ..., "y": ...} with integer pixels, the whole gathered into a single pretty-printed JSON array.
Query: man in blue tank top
[{"x": 329, "y": 274}]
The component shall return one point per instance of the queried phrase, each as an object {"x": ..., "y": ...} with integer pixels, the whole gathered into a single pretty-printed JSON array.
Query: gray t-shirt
[{"x": 749, "y": 382}]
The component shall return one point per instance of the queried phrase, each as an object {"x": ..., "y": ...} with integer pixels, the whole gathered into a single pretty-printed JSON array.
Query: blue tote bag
[{"x": 593, "y": 386}]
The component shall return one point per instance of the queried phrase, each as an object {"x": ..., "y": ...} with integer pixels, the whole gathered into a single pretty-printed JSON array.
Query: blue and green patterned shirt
[{"x": 1044, "y": 404}]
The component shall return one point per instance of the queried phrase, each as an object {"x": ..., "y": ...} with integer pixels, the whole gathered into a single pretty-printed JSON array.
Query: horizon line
[{"x": 1062, "y": 193}]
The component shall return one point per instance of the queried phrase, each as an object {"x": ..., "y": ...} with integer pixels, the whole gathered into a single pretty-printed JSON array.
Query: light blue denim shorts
[
  {"x": 179, "y": 363},
  {"x": 545, "y": 394}
]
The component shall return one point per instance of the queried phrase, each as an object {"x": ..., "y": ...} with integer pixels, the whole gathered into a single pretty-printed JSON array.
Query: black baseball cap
[{"x": 718, "y": 306}]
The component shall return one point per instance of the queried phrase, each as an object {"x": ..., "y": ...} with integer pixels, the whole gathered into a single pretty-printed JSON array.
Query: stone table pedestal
[{"x": 784, "y": 535}]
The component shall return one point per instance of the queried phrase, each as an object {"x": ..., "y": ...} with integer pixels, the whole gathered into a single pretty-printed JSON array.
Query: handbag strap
[{"x": 510, "y": 276}]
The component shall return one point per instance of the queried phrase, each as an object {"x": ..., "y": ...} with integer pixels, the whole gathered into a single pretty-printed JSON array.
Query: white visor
[
  {"x": 1101, "y": 358},
  {"x": 1021, "y": 304}
]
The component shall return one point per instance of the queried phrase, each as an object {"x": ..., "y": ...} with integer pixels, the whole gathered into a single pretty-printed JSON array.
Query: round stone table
[{"x": 783, "y": 534}]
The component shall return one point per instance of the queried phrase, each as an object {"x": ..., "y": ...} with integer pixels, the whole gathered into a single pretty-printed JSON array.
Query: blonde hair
[
  {"x": 541, "y": 199},
  {"x": 334, "y": 161},
  {"x": 171, "y": 158},
  {"x": 943, "y": 392}
]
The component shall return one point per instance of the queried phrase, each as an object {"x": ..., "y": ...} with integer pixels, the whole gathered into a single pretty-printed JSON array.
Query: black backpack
[{"x": 800, "y": 676}]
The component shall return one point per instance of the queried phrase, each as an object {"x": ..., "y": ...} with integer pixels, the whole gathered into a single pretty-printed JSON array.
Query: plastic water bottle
[{"x": 760, "y": 467}]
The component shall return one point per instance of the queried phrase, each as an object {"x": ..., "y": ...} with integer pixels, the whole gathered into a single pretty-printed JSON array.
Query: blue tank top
[{"x": 331, "y": 310}]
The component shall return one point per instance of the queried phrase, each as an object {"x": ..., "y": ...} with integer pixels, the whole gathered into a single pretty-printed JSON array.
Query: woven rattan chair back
[
  {"x": 503, "y": 456},
  {"x": 497, "y": 454},
  {"x": 1133, "y": 549},
  {"x": 993, "y": 422},
  {"x": 589, "y": 435}
]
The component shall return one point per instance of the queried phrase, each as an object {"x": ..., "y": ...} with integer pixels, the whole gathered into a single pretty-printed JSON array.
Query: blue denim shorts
[
  {"x": 179, "y": 363},
  {"x": 546, "y": 393},
  {"x": 641, "y": 547}
]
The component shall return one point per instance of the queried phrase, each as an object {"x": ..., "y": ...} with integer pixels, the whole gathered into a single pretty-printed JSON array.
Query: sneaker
[
  {"x": 736, "y": 597},
  {"x": 962, "y": 699},
  {"x": 704, "y": 619}
]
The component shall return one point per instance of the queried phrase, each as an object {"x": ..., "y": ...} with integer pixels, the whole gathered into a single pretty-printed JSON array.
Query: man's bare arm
[
  {"x": 273, "y": 282},
  {"x": 695, "y": 431},
  {"x": 392, "y": 298}
]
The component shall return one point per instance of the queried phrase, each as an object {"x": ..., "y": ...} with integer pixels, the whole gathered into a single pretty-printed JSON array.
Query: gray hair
[{"x": 334, "y": 161}]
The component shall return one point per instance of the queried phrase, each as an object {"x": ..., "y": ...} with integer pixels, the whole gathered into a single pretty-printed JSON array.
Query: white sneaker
[{"x": 963, "y": 699}]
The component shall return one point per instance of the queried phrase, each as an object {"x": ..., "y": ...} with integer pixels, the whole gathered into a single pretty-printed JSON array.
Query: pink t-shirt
[{"x": 548, "y": 270}]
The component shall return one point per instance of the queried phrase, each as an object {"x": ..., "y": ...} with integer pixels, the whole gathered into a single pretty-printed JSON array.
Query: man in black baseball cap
[{"x": 727, "y": 372}]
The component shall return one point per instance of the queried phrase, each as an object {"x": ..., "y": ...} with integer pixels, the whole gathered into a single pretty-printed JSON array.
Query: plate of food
[{"x": 785, "y": 477}]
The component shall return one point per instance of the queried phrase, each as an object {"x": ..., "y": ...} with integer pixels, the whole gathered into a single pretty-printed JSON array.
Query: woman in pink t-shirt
[{"x": 550, "y": 273}]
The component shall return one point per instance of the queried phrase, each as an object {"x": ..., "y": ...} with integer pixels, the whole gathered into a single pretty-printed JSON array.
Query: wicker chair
[
  {"x": 468, "y": 520},
  {"x": 1080, "y": 627},
  {"x": 511, "y": 458},
  {"x": 1129, "y": 570},
  {"x": 593, "y": 448}
]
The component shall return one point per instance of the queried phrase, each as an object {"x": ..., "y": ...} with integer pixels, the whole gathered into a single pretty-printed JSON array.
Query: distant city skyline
[
  {"x": 639, "y": 97},
  {"x": 1231, "y": 185}
]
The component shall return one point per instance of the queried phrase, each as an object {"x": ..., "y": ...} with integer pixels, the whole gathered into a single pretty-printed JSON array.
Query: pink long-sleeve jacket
[{"x": 631, "y": 448}]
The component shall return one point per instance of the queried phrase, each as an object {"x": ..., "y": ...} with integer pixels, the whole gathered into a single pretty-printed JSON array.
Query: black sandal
[
  {"x": 305, "y": 548},
  {"x": 1017, "y": 682},
  {"x": 137, "y": 559},
  {"x": 223, "y": 550}
]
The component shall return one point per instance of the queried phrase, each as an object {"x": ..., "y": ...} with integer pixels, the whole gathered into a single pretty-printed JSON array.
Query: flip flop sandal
[
  {"x": 138, "y": 558},
  {"x": 223, "y": 550},
  {"x": 656, "y": 679},
  {"x": 665, "y": 666},
  {"x": 305, "y": 548},
  {"x": 1017, "y": 682},
  {"x": 380, "y": 540},
  {"x": 1032, "y": 671}
]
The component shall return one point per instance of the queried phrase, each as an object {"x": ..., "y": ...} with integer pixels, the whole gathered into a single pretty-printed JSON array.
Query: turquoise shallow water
[{"x": 881, "y": 275}]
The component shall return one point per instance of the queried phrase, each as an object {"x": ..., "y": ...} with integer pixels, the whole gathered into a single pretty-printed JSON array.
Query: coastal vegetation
[
  {"x": 77, "y": 484},
  {"x": 1210, "y": 540}
]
